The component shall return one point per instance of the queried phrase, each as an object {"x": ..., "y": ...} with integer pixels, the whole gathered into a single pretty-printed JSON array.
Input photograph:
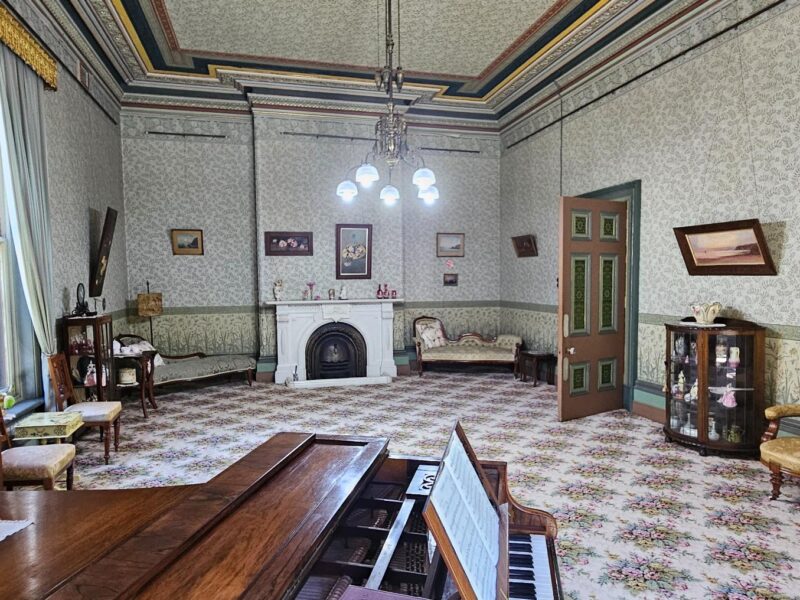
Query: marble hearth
[{"x": 297, "y": 321}]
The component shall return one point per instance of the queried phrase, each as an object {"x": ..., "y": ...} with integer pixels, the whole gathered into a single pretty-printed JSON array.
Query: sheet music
[
  {"x": 469, "y": 519},
  {"x": 8, "y": 528}
]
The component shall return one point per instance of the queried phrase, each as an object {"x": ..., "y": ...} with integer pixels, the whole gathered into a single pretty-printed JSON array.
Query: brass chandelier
[{"x": 391, "y": 144}]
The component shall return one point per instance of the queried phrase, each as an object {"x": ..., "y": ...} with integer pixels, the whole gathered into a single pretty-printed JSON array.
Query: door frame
[{"x": 632, "y": 191}]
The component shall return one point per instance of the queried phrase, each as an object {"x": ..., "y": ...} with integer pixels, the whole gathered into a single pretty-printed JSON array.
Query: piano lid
[{"x": 250, "y": 532}]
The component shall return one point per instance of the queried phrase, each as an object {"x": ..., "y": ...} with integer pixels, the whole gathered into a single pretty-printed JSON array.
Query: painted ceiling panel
[{"x": 457, "y": 38}]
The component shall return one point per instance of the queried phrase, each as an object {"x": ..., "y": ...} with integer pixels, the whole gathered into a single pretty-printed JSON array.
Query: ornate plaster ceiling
[
  {"x": 458, "y": 39},
  {"x": 475, "y": 62}
]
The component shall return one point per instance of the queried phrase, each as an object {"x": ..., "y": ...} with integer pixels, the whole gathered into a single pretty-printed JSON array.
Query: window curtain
[{"x": 25, "y": 188}]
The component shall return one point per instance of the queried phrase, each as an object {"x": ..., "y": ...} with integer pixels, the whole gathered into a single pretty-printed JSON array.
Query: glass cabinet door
[
  {"x": 683, "y": 383},
  {"x": 731, "y": 393}
]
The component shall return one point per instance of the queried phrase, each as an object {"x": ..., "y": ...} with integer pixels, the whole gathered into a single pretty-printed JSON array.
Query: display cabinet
[
  {"x": 715, "y": 385},
  {"x": 86, "y": 341}
]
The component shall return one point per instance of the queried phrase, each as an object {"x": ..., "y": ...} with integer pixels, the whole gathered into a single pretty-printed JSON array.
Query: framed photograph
[
  {"x": 187, "y": 242},
  {"x": 450, "y": 279},
  {"x": 525, "y": 245},
  {"x": 731, "y": 248},
  {"x": 289, "y": 243},
  {"x": 354, "y": 252},
  {"x": 450, "y": 244}
]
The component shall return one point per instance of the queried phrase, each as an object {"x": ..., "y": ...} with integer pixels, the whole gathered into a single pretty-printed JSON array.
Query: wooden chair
[
  {"x": 95, "y": 414},
  {"x": 33, "y": 465},
  {"x": 780, "y": 455}
]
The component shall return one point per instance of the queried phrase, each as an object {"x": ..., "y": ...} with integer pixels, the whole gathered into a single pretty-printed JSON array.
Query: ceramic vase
[
  {"x": 712, "y": 430},
  {"x": 706, "y": 313},
  {"x": 733, "y": 359}
]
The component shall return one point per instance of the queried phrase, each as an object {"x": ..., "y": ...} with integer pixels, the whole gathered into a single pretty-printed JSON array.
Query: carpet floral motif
[{"x": 638, "y": 518}]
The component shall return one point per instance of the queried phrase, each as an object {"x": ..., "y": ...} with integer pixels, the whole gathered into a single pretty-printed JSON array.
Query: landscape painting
[
  {"x": 450, "y": 244},
  {"x": 187, "y": 242},
  {"x": 732, "y": 248}
]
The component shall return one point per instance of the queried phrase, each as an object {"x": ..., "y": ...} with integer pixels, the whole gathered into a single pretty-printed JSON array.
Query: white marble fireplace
[{"x": 298, "y": 320}]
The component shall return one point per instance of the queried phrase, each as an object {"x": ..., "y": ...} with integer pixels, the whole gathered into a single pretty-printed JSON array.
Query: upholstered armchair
[
  {"x": 780, "y": 455},
  {"x": 433, "y": 345}
]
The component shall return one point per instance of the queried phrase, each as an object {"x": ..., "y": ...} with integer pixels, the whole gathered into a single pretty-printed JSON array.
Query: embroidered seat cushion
[
  {"x": 186, "y": 369},
  {"x": 431, "y": 334},
  {"x": 96, "y": 411},
  {"x": 783, "y": 451},
  {"x": 31, "y": 463},
  {"x": 469, "y": 353}
]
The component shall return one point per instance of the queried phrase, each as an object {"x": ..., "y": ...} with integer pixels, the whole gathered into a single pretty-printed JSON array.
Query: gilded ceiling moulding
[{"x": 21, "y": 43}]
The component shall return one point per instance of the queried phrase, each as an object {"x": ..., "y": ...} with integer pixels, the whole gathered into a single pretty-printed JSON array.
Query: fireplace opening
[{"x": 336, "y": 351}]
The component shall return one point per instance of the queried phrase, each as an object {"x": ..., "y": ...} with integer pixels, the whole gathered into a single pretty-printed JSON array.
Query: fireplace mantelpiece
[{"x": 297, "y": 320}]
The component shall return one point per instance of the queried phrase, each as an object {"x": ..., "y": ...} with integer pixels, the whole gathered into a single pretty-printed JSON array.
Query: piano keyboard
[{"x": 529, "y": 576}]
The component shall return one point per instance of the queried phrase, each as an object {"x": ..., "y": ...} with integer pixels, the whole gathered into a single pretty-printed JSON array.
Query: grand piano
[{"x": 302, "y": 516}]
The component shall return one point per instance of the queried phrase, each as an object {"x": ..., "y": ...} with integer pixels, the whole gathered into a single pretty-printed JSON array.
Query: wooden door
[{"x": 591, "y": 306}]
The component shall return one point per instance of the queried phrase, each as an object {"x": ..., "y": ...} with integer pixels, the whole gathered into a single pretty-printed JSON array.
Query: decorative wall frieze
[
  {"x": 14, "y": 35},
  {"x": 220, "y": 129}
]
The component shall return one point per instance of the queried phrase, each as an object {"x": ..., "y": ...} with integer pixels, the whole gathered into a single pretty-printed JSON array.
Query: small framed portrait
[
  {"x": 450, "y": 244},
  {"x": 354, "y": 252},
  {"x": 289, "y": 243},
  {"x": 525, "y": 245},
  {"x": 450, "y": 279},
  {"x": 187, "y": 242}
]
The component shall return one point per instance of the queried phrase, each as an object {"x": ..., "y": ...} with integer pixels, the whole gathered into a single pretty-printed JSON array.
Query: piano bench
[{"x": 529, "y": 362}]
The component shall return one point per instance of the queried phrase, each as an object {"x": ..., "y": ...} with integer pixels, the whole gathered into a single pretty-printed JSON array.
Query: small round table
[{"x": 528, "y": 364}]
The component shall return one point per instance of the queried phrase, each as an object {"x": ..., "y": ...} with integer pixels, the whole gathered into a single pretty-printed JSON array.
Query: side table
[
  {"x": 48, "y": 426},
  {"x": 144, "y": 381},
  {"x": 528, "y": 363}
]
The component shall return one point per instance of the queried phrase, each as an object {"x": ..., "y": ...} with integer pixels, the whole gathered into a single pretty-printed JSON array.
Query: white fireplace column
[{"x": 297, "y": 320}]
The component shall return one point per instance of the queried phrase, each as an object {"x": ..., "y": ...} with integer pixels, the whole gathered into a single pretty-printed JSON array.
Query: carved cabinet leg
[{"x": 777, "y": 480}]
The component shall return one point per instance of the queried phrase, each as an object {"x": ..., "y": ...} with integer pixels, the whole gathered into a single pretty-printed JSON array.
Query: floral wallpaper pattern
[
  {"x": 84, "y": 176},
  {"x": 185, "y": 182}
]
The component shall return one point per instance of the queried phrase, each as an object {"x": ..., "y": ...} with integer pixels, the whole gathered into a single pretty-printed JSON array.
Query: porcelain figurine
[
  {"x": 721, "y": 352},
  {"x": 305, "y": 294},
  {"x": 733, "y": 358},
  {"x": 712, "y": 429},
  {"x": 706, "y": 313},
  {"x": 728, "y": 399},
  {"x": 277, "y": 290},
  {"x": 681, "y": 382},
  {"x": 343, "y": 293},
  {"x": 332, "y": 294},
  {"x": 680, "y": 346}
]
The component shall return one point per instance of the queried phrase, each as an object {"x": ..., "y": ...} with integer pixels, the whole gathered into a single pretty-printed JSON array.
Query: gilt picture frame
[
  {"x": 353, "y": 251},
  {"x": 729, "y": 248},
  {"x": 187, "y": 242}
]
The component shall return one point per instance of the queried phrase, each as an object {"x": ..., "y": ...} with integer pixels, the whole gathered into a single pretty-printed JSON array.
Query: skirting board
[{"x": 323, "y": 383}]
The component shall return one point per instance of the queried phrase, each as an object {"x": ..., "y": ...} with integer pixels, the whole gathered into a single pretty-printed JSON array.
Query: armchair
[{"x": 780, "y": 455}]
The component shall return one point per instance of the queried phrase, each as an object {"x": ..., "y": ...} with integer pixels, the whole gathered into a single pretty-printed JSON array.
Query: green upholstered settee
[
  {"x": 191, "y": 367},
  {"x": 433, "y": 346}
]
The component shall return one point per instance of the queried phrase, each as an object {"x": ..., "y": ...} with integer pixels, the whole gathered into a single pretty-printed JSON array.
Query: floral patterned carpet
[{"x": 638, "y": 517}]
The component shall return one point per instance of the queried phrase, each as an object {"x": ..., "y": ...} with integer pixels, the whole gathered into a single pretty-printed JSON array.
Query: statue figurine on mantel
[
  {"x": 343, "y": 293},
  {"x": 277, "y": 290}
]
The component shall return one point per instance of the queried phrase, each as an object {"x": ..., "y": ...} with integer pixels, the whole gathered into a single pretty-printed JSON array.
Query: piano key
[
  {"x": 529, "y": 562},
  {"x": 522, "y": 590}
]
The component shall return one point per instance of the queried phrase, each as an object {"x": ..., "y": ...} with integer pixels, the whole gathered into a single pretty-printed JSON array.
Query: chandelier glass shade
[{"x": 391, "y": 142}]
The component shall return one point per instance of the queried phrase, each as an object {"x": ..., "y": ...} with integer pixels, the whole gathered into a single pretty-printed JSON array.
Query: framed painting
[
  {"x": 99, "y": 264},
  {"x": 731, "y": 248},
  {"x": 187, "y": 242},
  {"x": 289, "y": 243},
  {"x": 354, "y": 252},
  {"x": 525, "y": 245},
  {"x": 450, "y": 279},
  {"x": 450, "y": 244}
]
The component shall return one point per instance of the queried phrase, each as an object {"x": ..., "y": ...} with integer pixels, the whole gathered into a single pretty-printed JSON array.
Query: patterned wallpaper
[
  {"x": 84, "y": 176},
  {"x": 706, "y": 148},
  {"x": 172, "y": 181}
]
